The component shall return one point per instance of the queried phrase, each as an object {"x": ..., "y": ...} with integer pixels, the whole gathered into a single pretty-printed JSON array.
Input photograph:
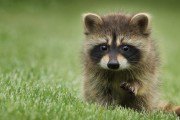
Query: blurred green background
[{"x": 40, "y": 68}]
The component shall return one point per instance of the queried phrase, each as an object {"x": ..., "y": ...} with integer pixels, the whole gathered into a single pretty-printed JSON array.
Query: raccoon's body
[{"x": 121, "y": 63}]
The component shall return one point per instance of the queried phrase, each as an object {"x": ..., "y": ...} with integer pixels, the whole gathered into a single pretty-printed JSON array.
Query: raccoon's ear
[
  {"x": 91, "y": 22},
  {"x": 141, "y": 22}
]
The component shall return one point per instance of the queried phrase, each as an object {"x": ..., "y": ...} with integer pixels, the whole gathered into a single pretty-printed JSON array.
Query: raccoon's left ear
[{"x": 141, "y": 22}]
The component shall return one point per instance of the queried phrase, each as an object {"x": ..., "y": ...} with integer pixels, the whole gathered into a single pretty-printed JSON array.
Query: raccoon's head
[{"x": 117, "y": 41}]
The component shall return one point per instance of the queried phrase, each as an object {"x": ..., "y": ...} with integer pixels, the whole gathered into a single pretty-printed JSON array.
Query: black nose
[{"x": 113, "y": 64}]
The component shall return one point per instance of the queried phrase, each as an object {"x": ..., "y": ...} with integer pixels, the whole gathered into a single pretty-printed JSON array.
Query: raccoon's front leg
[
  {"x": 130, "y": 88},
  {"x": 106, "y": 98},
  {"x": 106, "y": 101}
]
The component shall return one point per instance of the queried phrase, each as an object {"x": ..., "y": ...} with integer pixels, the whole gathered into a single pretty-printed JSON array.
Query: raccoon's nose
[{"x": 113, "y": 64}]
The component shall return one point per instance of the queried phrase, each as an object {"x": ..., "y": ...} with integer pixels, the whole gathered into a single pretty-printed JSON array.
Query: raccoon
[{"x": 121, "y": 62}]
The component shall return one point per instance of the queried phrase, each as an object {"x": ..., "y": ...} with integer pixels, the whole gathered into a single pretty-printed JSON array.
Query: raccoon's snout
[{"x": 113, "y": 64}]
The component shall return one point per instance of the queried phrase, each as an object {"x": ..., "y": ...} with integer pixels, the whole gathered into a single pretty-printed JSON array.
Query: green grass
[{"x": 40, "y": 69}]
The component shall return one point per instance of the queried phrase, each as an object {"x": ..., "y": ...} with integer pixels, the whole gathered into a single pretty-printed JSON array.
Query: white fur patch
[
  {"x": 104, "y": 61},
  {"x": 123, "y": 62}
]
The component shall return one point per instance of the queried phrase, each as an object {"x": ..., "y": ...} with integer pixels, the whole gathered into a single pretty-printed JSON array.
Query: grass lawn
[{"x": 40, "y": 69}]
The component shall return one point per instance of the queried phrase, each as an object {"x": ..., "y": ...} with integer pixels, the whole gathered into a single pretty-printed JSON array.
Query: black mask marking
[
  {"x": 97, "y": 53},
  {"x": 131, "y": 53}
]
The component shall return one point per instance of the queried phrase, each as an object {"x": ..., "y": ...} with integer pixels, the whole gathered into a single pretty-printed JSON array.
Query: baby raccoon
[{"x": 121, "y": 63}]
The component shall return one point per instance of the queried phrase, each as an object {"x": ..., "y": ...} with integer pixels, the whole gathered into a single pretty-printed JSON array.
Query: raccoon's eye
[
  {"x": 125, "y": 48},
  {"x": 103, "y": 47}
]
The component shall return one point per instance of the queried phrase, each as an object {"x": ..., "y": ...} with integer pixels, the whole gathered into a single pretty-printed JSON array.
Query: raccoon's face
[{"x": 116, "y": 42}]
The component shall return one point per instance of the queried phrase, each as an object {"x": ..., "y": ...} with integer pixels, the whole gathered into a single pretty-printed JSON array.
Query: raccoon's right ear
[{"x": 91, "y": 22}]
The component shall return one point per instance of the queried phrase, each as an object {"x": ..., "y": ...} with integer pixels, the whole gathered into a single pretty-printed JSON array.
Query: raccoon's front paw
[{"x": 128, "y": 88}]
